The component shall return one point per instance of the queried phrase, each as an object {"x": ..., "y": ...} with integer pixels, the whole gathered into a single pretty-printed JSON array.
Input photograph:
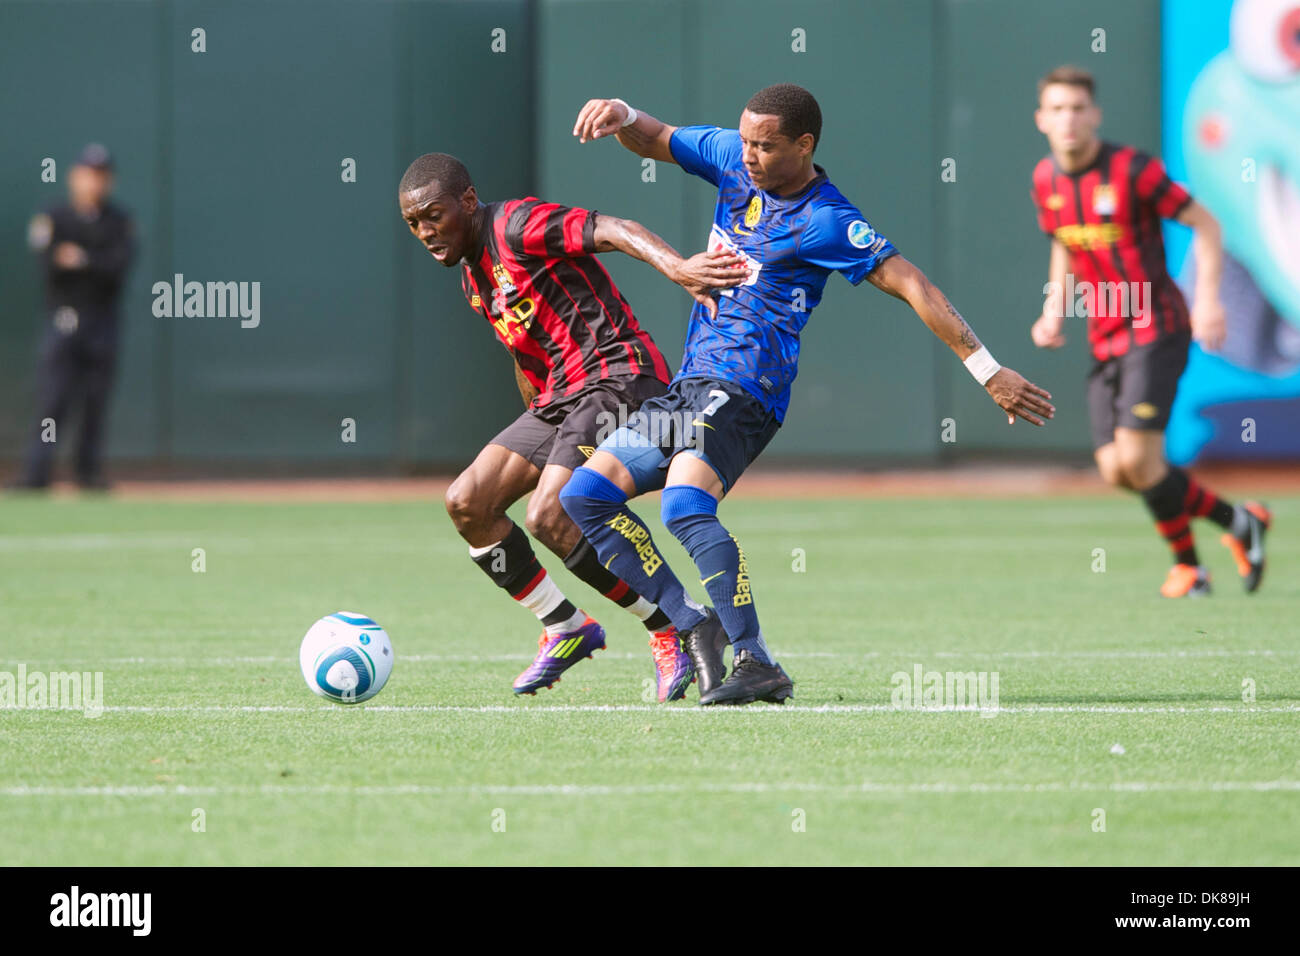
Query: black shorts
[
  {"x": 1136, "y": 389},
  {"x": 566, "y": 431},
  {"x": 718, "y": 422}
]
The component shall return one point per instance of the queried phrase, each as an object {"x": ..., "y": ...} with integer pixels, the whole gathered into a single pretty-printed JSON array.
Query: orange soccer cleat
[
  {"x": 1186, "y": 580},
  {"x": 673, "y": 668}
]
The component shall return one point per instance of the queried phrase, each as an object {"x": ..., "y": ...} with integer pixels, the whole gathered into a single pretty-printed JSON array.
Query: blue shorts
[{"x": 718, "y": 422}]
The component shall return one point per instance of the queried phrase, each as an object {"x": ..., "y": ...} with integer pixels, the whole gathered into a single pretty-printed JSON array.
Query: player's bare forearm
[
  {"x": 1058, "y": 264},
  {"x": 1014, "y": 394},
  {"x": 1207, "y": 248},
  {"x": 1209, "y": 321},
  {"x": 905, "y": 281},
  {"x": 647, "y": 136},
  {"x": 634, "y": 239},
  {"x": 699, "y": 275},
  {"x": 527, "y": 391},
  {"x": 1047, "y": 330}
]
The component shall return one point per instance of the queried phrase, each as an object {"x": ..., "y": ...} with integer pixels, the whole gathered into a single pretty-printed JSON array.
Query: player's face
[
  {"x": 439, "y": 220},
  {"x": 772, "y": 159},
  {"x": 1068, "y": 117},
  {"x": 88, "y": 186}
]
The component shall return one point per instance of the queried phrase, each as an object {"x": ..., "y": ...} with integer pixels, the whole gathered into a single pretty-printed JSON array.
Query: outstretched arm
[
  {"x": 1016, "y": 395},
  {"x": 1208, "y": 323},
  {"x": 645, "y": 136},
  {"x": 698, "y": 275}
]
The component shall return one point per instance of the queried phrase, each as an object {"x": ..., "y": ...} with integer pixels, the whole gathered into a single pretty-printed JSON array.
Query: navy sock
[
  {"x": 586, "y": 567},
  {"x": 599, "y": 507},
  {"x": 691, "y": 514}
]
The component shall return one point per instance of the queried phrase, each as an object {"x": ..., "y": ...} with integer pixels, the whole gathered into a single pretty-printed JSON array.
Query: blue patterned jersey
[{"x": 791, "y": 243}]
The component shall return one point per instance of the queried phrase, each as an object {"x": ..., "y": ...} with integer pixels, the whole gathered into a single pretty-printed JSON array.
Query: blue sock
[
  {"x": 623, "y": 543},
  {"x": 692, "y": 515}
]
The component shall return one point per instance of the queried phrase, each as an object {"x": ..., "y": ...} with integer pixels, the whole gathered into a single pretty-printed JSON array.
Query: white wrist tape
[
  {"x": 631, "y": 113},
  {"x": 982, "y": 365}
]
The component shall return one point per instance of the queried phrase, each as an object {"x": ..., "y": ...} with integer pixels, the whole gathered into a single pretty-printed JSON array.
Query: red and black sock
[
  {"x": 512, "y": 566},
  {"x": 1166, "y": 500},
  {"x": 586, "y": 567},
  {"x": 1201, "y": 502}
]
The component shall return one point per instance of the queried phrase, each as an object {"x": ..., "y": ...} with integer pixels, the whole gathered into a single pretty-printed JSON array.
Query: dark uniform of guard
[{"x": 78, "y": 349}]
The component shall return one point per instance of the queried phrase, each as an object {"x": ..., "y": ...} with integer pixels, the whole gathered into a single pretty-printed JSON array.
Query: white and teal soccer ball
[{"x": 346, "y": 657}]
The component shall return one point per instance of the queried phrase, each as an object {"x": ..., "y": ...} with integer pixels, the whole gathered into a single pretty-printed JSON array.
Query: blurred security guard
[{"x": 85, "y": 247}]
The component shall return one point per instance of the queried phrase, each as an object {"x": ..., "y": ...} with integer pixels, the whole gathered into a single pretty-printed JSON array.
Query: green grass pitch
[{"x": 205, "y": 709}]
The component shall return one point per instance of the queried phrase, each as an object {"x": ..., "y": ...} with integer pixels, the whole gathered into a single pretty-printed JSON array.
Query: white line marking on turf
[
  {"x": 624, "y": 655},
  {"x": 523, "y": 708},
  {"x": 866, "y": 787}
]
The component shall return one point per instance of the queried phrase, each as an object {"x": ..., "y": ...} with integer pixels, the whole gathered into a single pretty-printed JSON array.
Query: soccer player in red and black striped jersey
[
  {"x": 583, "y": 365},
  {"x": 1102, "y": 204}
]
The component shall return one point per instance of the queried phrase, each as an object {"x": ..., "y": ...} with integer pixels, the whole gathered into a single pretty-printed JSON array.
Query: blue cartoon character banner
[{"x": 1232, "y": 133}]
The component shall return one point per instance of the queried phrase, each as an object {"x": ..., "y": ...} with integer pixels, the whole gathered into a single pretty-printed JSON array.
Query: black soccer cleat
[
  {"x": 705, "y": 643},
  {"x": 1248, "y": 550},
  {"x": 751, "y": 681}
]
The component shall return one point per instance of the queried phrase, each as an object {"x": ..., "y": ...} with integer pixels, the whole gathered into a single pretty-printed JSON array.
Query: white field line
[
  {"x": 864, "y": 788},
  {"x": 182, "y": 544},
  {"x": 913, "y": 655},
  {"x": 523, "y": 708},
  {"x": 929, "y": 537}
]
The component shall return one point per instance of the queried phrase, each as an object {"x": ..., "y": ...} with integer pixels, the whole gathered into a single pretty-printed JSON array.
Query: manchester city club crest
[
  {"x": 1103, "y": 200},
  {"x": 502, "y": 278}
]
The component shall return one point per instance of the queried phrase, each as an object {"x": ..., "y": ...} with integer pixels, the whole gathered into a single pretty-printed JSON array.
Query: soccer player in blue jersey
[{"x": 778, "y": 210}]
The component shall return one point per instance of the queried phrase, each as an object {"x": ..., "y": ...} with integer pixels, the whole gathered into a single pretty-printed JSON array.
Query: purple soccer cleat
[
  {"x": 555, "y": 655},
  {"x": 673, "y": 665}
]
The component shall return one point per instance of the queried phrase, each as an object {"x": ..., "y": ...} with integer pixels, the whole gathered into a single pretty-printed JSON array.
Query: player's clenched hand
[
  {"x": 69, "y": 255},
  {"x": 1019, "y": 396},
  {"x": 705, "y": 271},
  {"x": 1209, "y": 326},
  {"x": 1046, "y": 332},
  {"x": 599, "y": 118}
]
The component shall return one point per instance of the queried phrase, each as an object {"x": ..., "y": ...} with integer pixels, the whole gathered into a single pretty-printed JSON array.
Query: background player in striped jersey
[
  {"x": 1102, "y": 204},
  {"x": 778, "y": 210},
  {"x": 581, "y": 361}
]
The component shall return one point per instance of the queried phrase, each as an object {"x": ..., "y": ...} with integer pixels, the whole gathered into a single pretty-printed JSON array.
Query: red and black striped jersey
[
  {"x": 1108, "y": 217},
  {"x": 551, "y": 302}
]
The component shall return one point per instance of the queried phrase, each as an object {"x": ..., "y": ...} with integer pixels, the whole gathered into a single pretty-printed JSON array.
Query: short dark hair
[
  {"x": 1069, "y": 76},
  {"x": 447, "y": 171},
  {"x": 794, "y": 106}
]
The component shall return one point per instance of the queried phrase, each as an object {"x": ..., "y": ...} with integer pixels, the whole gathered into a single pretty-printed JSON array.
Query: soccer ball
[{"x": 346, "y": 657}]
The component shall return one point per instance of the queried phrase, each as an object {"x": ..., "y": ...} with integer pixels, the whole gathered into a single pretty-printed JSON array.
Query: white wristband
[
  {"x": 631, "y": 113},
  {"x": 982, "y": 365}
]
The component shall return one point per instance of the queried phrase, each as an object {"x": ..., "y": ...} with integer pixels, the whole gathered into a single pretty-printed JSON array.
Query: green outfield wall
[{"x": 234, "y": 158}]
